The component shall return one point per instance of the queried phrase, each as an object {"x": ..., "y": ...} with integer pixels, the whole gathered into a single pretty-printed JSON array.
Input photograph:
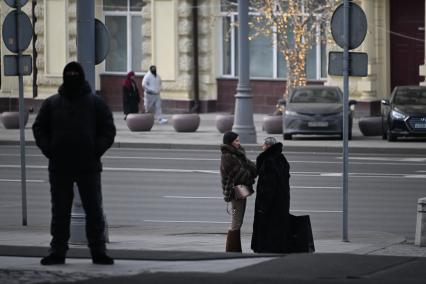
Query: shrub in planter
[
  {"x": 140, "y": 121},
  {"x": 224, "y": 122},
  {"x": 188, "y": 122},
  {"x": 10, "y": 119},
  {"x": 273, "y": 124}
]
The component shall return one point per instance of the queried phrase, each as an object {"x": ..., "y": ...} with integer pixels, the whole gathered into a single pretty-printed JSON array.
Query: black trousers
[{"x": 62, "y": 195}]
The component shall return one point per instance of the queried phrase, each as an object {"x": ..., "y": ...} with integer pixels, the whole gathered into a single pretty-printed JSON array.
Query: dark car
[
  {"x": 405, "y": 113},
  {"x": 315, "y": 110}
]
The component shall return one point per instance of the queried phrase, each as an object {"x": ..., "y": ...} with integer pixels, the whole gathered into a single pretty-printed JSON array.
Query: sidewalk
[
  {"x": 369, "y": 257},
  {"x": 208, "y": 137},
  {"x": 199, "y": 258}
]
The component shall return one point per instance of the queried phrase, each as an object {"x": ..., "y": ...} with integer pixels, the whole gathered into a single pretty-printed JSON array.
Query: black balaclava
[
  {"x": 153, "y": 70},
  {"x": 229, "y": 137},
  {"x": 73, "y": 83}
]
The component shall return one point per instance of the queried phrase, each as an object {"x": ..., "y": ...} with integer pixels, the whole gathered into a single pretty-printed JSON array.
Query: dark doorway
[{"x": 407, "y": 23}]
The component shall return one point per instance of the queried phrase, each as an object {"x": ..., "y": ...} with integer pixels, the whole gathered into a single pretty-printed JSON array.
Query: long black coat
[
  {"x": 271, "y": 217},
  {"x": 235, "y": 169},
  {"x": 131, "y": 99},
  {"x": 74, "y": 130}
]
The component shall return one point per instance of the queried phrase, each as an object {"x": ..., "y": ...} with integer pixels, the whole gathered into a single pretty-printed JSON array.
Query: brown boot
[{"x": 233, "y": 241}]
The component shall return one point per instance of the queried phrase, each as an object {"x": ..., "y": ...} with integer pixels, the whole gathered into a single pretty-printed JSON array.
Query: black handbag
[{"x": 301, "y": 238}]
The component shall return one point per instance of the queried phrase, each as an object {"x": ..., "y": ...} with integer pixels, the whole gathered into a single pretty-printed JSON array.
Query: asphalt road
[{"x": 178, "y": 191}]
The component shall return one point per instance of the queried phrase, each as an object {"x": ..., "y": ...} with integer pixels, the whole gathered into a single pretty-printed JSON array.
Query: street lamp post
[{"x": 243, "y": 122}]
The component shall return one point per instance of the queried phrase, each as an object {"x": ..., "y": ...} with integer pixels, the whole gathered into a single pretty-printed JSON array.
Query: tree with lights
[{"x": 295, "y": 25}]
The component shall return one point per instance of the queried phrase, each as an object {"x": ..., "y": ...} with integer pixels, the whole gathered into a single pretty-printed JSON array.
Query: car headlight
[
  {"x": 289, "y": 112},
  {"x": 398, "y": 115}
]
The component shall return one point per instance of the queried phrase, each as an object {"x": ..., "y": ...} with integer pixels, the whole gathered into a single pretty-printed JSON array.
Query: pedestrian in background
[
  {"x": 131, "y": 96},
  {"x": 271, "y": 217},
  {"x": 73, "y": 129},
  {"x": 235, "y": 169},
  {"x": 151, "y": 84}
]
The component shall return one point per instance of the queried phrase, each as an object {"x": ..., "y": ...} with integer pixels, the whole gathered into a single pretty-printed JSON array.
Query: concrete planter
[
  {"x": 224, "y": 122},
  {"x": 10, "y": 119},
  {"x": 273, "y": 124},
  {"x": 371, "y": 126},
  {"x": 186, "y": 122},
  {"x": 140, "y": 121}
]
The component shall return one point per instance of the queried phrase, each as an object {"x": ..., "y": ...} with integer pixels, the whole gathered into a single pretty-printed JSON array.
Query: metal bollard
[
  {"x": 420, "y": 238},
  {"x": 78, "y": 222}
]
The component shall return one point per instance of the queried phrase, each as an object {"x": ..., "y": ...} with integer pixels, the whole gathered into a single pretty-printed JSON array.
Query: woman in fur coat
[{"x": 235, "y": 169}]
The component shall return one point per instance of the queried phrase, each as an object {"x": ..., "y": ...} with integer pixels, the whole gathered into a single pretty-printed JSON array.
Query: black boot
[
  {"x": 102, "y": 258},
  {"x": 52, "y": 259},
  {"x": 233, "y": 241}
]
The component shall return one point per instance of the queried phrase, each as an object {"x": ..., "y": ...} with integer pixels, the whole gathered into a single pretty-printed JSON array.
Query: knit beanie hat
[
  {"x": 229, "y": 137},
  {"x": 270, "y": 141}
]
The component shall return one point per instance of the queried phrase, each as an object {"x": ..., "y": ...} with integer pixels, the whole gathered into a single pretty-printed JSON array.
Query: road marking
[
  {"x": 179, "y": 221},
  {"x": 310, "y": 174},
  {"x": 161, "y": 170},
  {"x": 19, "y": 166},
  {"x": 393, "y": 159},
  {"x": 160, "y": 158},
  {"x": 415, "y": 176},
  {"x": 316, "y": 187},
  {"x": 316, "y": 211},
  {"x": 18, "y": 180},
  {"x": 192, "y": 197}
]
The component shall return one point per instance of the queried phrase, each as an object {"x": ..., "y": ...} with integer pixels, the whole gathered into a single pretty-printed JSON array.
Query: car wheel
[
  {"x": 287, "y": 136},
  {"x": 391, "y": 137}
]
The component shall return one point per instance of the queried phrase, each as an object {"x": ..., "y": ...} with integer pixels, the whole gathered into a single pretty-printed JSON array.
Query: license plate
[
  {"x": 419, "y": 125},
  {"x": 317, "y": 124}
]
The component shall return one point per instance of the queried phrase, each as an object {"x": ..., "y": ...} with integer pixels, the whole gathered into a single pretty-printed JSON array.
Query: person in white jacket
[{"x": 151, "y": 84}]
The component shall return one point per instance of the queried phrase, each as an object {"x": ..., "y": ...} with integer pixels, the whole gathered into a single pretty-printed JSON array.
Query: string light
[{"x": 294, "y": 22}]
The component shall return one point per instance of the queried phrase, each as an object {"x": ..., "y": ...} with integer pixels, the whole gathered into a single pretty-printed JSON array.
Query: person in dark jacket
[
  {"x": 73, "y": 129},
  {"x": 235, "y": 169},
  {"x": 272, "y": 205},
  {"x": 131, "y": 96}
]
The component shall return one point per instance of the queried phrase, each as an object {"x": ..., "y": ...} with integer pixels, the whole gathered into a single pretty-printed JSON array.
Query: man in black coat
[
  {"x": 271, "y": 217},
  {"x": 73, "y": 129}
]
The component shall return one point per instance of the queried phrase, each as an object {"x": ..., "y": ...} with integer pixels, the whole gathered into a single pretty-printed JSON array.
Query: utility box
[{"x": 420, "y": 239}]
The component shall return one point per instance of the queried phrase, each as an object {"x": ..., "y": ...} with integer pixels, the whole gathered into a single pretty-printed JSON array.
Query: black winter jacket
[
  {"x": 272, "y": 205},
  {"x": 235, "y": 169},
  {"x": 74, "y": 130},
  {"x": 131, "y": 99}
]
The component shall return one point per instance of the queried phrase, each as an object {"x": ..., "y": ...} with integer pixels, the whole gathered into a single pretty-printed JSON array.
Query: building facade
[{"x": 161, "y": 32}]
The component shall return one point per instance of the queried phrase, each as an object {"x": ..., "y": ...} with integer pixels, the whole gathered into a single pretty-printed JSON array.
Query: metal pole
[
  {"x": 21, "y": 121},
  {"x": 86, "y": 57},
  {"x": 86, "y": 39},
  {"x": 243, "y": 121},
  {"x": 34, "y": 19},
  {"x": 345, "y": 118}
]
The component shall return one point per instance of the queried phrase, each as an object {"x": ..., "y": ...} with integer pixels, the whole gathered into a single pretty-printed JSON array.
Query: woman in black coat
[
  {"x": 131, "y": 97},
  {"x": 272, "y": 206}
]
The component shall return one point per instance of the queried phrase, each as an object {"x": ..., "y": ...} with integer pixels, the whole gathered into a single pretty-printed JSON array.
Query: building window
[
  {"x": 123, "y": 19},
  {"x": 265, "y": 59}
]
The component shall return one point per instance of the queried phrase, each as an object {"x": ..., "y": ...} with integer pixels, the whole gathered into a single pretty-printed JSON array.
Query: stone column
[{"x": 368, "y": 103}]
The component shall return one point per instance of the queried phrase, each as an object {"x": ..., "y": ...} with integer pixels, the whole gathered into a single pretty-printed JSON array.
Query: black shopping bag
[{"x": 301, "y": 238}]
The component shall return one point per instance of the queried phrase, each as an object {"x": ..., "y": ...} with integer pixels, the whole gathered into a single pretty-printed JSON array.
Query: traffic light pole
[
  {"x": 345, "y": 120},
  {"x": 86, "y": 39},
  {"x": 21, "y": 122}
]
